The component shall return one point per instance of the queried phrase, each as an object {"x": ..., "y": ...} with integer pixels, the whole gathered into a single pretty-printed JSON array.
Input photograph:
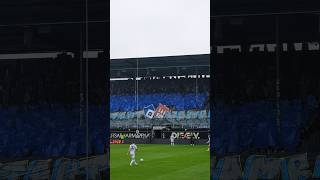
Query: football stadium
[
  {"x": 161, "y": 105},
  {"x": 159, "y": 89}
]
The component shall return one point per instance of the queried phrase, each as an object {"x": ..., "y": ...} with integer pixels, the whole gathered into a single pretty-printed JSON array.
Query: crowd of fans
[
  {"x": 187, "y": 99},
  {"x": 42, "y": 108},
  {"x": 163, "y": 89},
  {"x": 37, "y": 82},
  {"x": 255, "y": 108},
  {"x": 149, "y": 85},
  {"x": 48, "y": 81},
  {"x": 53, "y": 131},
  {"x": 258, "y": 109}
]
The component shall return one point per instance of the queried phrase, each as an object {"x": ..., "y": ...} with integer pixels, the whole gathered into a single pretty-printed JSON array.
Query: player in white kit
[
  {"x": 132, "y": 152},
  {"x": 172, "y": 140}
]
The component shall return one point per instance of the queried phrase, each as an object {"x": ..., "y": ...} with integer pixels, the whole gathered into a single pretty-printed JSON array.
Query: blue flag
[{"x": 149, "y": 111}]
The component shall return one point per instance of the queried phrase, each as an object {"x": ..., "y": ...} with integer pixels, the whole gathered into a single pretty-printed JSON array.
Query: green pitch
[{"x": 161, "y": 162}]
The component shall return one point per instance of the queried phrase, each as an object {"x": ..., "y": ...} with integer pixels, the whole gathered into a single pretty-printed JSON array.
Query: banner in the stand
[
  {"x": 186, "y": 134},
  {"x": 116, "y": 141},
  {"x": 130, "y": 135},
  {"x": 150, "y": 112}
]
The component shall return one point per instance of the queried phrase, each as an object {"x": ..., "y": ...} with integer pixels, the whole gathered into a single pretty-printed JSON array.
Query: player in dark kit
[{"x": 192, "y": 140}]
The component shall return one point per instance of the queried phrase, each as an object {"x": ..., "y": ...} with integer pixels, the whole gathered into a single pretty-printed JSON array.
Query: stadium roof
[
  {"x": 51, "y": 25},
  {"x": 15, "y": 12},
  {"x": 161, "y": 66},
  {"x": 220, "y": 8}
]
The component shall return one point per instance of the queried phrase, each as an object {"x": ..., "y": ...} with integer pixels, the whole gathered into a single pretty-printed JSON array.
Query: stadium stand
[
  {"x": 41, "y": 111},
  {"x": 187, "y": 107},
  {"x": 246, "y": 119}
]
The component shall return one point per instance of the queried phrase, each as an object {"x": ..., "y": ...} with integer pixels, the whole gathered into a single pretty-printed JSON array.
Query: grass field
[{"x": 161, "y": 162}]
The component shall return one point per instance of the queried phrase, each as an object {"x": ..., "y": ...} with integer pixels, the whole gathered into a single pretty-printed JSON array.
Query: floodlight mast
[{"x": 137, "y": 92}]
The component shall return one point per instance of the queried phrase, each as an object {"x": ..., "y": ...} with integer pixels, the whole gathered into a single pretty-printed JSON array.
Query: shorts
[{"x": 132, "y": 156}]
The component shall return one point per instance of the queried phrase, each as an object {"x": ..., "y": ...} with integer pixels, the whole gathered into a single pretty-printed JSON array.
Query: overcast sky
[{"x": 149, "y": 28}]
